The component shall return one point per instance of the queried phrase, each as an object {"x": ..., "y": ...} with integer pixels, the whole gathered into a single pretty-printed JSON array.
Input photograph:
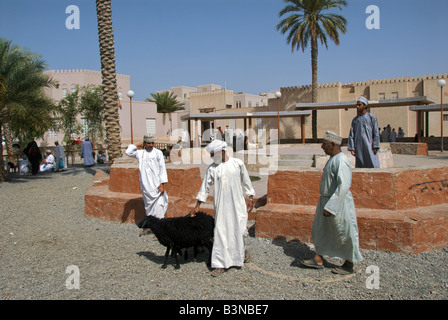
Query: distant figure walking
[
  {"x": 87, "y": 153},
  {"x": 393, "y": 135},
  {"x": 335, "y": 230},
  {"x": 60, "y": 162},
  {"x": 384, "y": 135}
]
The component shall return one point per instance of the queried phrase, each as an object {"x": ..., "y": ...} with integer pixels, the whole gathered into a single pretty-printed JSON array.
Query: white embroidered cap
[
  {"x": 363, "y": 100},
  {"x": 332, "y": 137},
  {"x": 148, "y": 138}
]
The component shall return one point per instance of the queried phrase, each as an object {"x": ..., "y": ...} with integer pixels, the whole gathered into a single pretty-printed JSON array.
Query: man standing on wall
[
  {"x": 364, "y": 139},
  {"x": 152, "y": 175}
]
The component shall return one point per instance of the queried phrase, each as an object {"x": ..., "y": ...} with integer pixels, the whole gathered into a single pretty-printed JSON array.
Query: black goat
[{"x": 182, "y": 233}]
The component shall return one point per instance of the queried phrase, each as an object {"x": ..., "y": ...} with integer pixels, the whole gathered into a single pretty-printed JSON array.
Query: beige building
[
  {"x": 339, "y": 120},
  {"x": 213, "y": 99},
  {"x": 145, "y": 118}
]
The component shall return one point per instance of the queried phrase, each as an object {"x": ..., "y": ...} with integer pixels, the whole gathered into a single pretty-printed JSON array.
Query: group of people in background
[
  {"x": 34, "y": 162},
  {"x": 390, "y": 135}
]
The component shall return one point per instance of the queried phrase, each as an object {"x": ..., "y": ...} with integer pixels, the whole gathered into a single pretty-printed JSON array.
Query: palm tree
[
  {"x": 109, "y": 82},
  {"x": 166, "y": 102},
  {"x": 308, "y": 23},
  {"x": 25, "y": 110}
]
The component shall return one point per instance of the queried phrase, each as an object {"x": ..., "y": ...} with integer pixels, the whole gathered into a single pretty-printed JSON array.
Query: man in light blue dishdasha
[
  {"x": 364, "y": 137},
  {"x": 335, "y": 229}
]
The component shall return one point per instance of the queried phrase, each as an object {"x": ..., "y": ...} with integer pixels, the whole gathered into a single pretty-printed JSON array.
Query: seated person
[
  {"x": 48, "y": 163},
  {"x": 101, "y": 157},
  {"x": 24, "y": 166}
]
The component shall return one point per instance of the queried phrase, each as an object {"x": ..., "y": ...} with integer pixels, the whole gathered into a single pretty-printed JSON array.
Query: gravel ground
[{"x": 44, "y": 232}]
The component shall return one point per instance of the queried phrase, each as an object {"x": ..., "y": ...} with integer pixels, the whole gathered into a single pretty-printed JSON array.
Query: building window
[
  {"x": 394, "y": 95},
  {"x": 381, "y": 96},
  {"x": 64, "y": 93},
  {"x": 84, "y": 127},
  {"x": 445, "y": 117},
  {"x": 52, "y": 133},
  {"x": 151, "y": 126}
]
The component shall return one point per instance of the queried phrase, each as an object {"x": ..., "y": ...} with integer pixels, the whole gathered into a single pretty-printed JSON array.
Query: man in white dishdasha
[
  {"x": 231, "y": 181},
  {"x": 152, "y": 175}
]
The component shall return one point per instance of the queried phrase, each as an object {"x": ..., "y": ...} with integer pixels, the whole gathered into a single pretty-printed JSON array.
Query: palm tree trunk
[
  {"x": 8, "y": 141},
  {"x": 314, "y": 87},
  {"x": 3, "y": 172},
  {"x": 109, "y": 82}
]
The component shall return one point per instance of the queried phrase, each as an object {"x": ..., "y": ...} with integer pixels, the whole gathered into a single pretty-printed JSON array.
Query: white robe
[
  {"x": 337, "y": 235},
  {"x": 229, "y": 179},
  {"x": 24, "y": 167},
  {"x": 86, "y": 150},
  {"x": 60, "y": 156},
  {"x": 49, "y": 165},
  {"x": 152, "y": 173}
]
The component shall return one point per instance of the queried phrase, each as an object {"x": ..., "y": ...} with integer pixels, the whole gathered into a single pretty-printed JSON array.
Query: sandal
[
  {"x": 343, "y": 270},
  {"x": 246, "y": 256},
  {"x": 311, "y": 263},
  {"x": 217, "y": 272}
]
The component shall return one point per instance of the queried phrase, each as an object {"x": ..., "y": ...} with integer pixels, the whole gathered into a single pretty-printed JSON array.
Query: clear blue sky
[{"x": 166, "y": 43}]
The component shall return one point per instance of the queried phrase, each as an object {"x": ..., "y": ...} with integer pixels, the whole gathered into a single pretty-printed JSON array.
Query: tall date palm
[
  {"x": 309, "y": 22},
  {"x": 109, "y": 78}
]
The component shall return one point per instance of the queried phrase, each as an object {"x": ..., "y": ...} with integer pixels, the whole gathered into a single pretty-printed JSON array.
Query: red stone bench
[
  {"x": 117, "y": 197},
  {"x": 397, "y": 209}
]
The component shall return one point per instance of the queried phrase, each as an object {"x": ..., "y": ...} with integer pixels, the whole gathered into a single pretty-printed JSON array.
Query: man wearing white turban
[
  {"x": 335, "y": 229},
  {"x": 364, "y": 137},
  {"x": 231, "y": 182},
  {"x": 152, "y": 175}
]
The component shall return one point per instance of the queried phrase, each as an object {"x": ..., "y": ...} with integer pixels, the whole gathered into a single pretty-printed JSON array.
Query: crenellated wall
[
  {"x": 368, "y": 82},
  {"x": 339, "y": 121}
]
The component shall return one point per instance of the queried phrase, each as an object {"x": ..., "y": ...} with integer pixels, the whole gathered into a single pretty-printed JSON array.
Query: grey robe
[{"x": 363, "y": 137}]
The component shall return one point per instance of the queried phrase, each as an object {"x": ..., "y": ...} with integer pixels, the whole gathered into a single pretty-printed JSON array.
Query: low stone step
[
  {"x": 296, "y": 156},
  {"x": 295, "y": 163}
]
